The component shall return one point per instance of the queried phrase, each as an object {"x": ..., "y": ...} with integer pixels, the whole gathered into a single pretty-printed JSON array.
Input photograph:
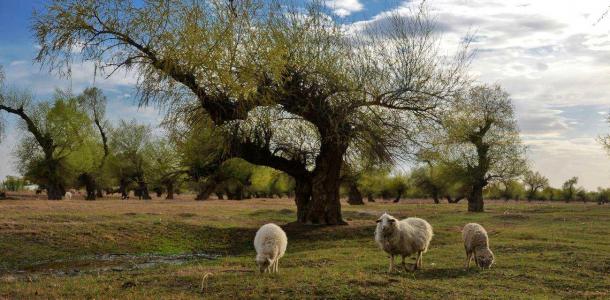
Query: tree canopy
[
  {"x": 265, "y": 71},
  {"x": 481, "y": 138}
]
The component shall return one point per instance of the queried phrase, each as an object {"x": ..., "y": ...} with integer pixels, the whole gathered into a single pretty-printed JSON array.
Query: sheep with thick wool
[
  {"x": 270, "y": 243},
  {"x": 405, "y": 238},
  {"x": 68, "y": 196},
  {"x": 476, "y": 244}
]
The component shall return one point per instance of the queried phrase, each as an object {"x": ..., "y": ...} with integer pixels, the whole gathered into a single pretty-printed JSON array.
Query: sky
[{"x": 553, "y": 57}]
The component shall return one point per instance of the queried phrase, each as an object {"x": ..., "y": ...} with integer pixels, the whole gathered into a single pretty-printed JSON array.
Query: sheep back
[
  {"x": 270, "y": 242},
  {"x": 475, "y": 237},
  {"x": 412, "y": 235}
]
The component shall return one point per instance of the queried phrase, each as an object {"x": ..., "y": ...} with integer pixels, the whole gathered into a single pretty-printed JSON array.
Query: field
[{"x": 187, "y": 249}]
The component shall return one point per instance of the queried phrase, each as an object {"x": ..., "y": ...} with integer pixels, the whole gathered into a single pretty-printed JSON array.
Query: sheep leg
[
  {"x": 403, "y": 263},
  {"x": 420, "y": 260},
  {"x": 277, "y": 266},
  {"x": 468, "y": 260},
  {"x": 474, "y": 255},
  {"x": 391, "y": 263}
]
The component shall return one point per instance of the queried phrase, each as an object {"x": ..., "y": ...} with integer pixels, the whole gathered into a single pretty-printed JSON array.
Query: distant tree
[
  {"x": 482, "y": 137},
  {"x": 93, "y": 101},
  {"x": 569, "y": 189},
  {"x": 605, "y": 140},
  {"x": 201, "y": 147},
  {"x": 13, "y": 184},
  {"x": 398, "y": 185},
  {"x": 164, "y": 168},
  {"x": 128, "y": 144},
  {"x": 603, "y": 195},
  {"x": 55, "y": 130},
  {"x": 534, "y": 181},
  {"x": 371, "y": 183}
]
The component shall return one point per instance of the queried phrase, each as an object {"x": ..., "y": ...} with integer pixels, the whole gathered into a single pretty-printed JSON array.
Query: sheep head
[
  {"x": 387, "y": 224},
  {"x": 263, "y": 263},
  {"x": 484, "y": 258}
]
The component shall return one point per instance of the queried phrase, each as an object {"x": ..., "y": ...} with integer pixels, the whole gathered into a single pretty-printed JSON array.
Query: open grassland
[{"x": 138, "y": 249}]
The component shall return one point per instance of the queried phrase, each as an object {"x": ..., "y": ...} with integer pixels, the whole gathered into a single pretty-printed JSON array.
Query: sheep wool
[
  {"x": 270, "y": 243},
  {"x": 404, "y": 238},
  {"x": 476, "y": 244},
  {"x": 68, "y": 196}
]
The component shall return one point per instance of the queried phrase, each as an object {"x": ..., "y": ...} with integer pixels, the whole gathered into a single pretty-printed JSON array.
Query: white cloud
[
  {"x": 344, "y": 8},
  {"x": 553, "y": 58}
]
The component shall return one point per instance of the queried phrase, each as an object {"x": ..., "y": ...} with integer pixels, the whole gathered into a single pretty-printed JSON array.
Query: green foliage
[
  {"x": 13, "y": 183},
  {"x": 569, "y": 188},
  {"x": 129, "y": 143},
  {"x": 70, "y": 149},
  {"x": 534, "y": 182},
  {"x": 507, "y": 190},
  {"x": 372, "y": 183},
  {"x": 267, "y": 181}
]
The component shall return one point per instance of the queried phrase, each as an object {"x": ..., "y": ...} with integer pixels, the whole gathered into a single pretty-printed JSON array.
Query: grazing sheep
[
  {"x": 270, "y": 243},
  {"x": 404, "y": 238},
  {"x": 68, "y": 196},
  {"x": 476, "y": 243}
]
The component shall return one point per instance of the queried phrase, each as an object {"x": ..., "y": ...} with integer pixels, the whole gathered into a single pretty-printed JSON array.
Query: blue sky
[{"x": 552, "y": 56}]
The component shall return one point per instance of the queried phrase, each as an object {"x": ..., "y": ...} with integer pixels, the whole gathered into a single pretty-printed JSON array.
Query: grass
[{"x": 54, "y": 249}]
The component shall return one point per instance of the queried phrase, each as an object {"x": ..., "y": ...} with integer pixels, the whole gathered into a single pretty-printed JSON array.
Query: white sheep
[
  {"x": 476, "y": 243},
  {"x": 68, "y": 196},
  {"x": 270, "y": 243},
  {"x": 404, "y": 238}
]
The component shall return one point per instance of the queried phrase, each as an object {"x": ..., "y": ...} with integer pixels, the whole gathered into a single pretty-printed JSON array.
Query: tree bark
[
  {"x": 436, "y": 199},
  {"x": 370, "y": 198},
  {"x": 397, "y": 199},
  {"x": 325, "y": 207},
  {"x": 143, "y": 190},
  {"x": 475, "y": 199},
  {"x": 123, "y": 188},
  {"x": 302, "y": 198},
  {"x": 170, "y": 191},
  {"x": 88, "y": 181},
  {"x": 55, "y": 188},
  {"x": 354, "y": 195}
]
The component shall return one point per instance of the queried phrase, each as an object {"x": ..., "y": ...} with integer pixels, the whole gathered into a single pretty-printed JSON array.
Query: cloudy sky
[{"x": 552, "y": 56}]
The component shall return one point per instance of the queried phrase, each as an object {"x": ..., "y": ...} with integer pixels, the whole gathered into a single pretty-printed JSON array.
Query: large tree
[
  {"x": 263, "y": 69},
  {"x": 482, "y": 137}
]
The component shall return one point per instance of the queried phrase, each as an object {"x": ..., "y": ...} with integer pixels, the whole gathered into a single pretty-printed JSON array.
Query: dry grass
[{"x": 55, "y": 249}]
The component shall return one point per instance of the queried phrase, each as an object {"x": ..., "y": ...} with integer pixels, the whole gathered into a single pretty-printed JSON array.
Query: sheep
[
  {"x": 404, "y": 238},
  {"x": 476, "y": 243},
  {"x": 68, "y": 196},
  {"x": 270, "y": 243}
]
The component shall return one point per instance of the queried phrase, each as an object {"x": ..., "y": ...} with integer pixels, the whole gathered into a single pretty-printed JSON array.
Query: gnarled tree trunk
[
  {"x": 354, "y": 195},
  {"x": 475, "y": 199},
  {"x": 170, "y": 190},
  {"x": 325, "y": 206},
  {"x": 55, "y": 187},
  {"x": 143, "y": 190},
  {"x": 88, "y": 181},
  {"x": 302, "y": 198},
  {"x": 123, "y": 188}
]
